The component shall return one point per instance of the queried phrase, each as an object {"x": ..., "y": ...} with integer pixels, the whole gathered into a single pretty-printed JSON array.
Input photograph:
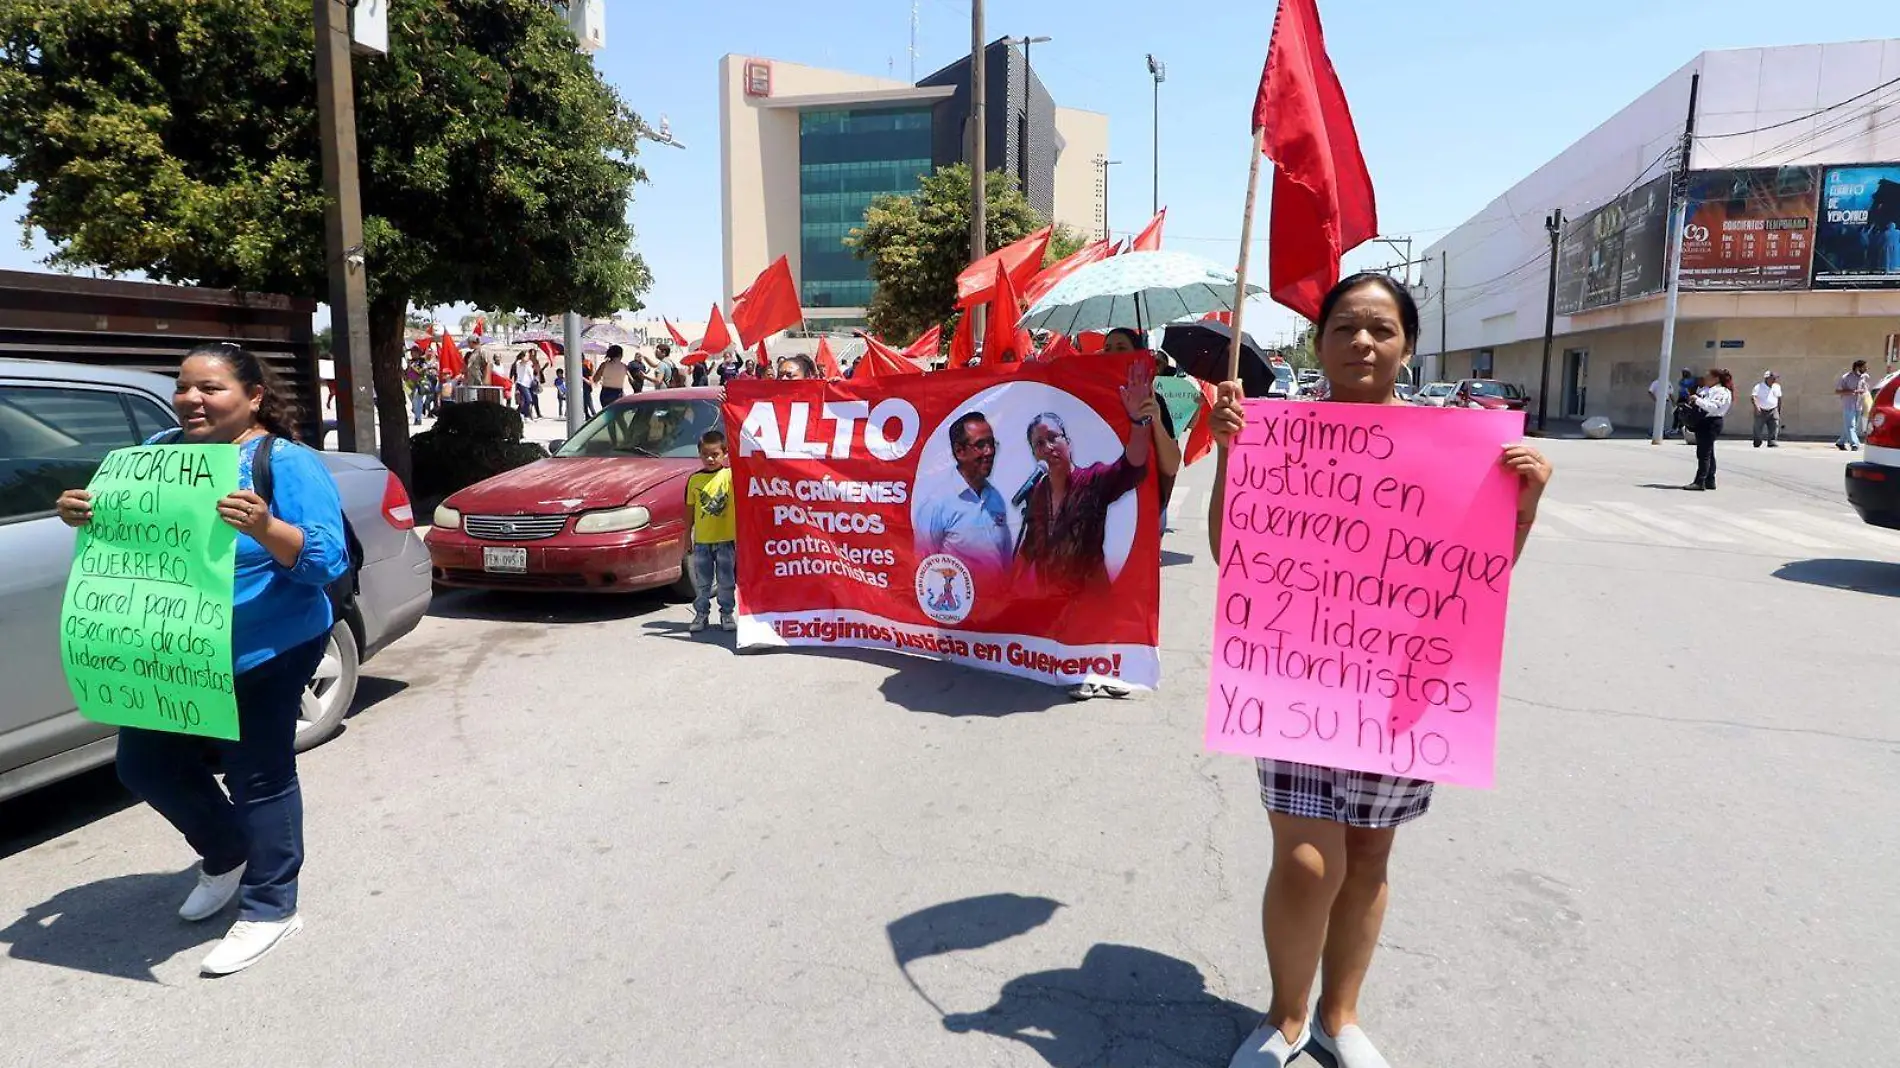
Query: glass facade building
[{"x": 846, "y": 159}]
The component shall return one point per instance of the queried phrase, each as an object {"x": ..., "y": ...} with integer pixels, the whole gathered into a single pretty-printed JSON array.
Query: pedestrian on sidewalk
[
  {"x": 613, "y": 376},
  {"x": 1767, "y": 397},
  {"x": 290, "y": 546},
  {"x": 522, "y": 375},
  {"x": 1685, "y": 388},
  {"x": 1333, "y": 830},
  {"x": 1853, "y": 389},
  {"x": 715, "y": 533},
  {"x": 560, "y": 393},
  {"x": 1712, "y": 401}
]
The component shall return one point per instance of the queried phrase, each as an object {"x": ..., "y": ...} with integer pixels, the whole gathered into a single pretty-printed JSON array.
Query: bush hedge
[{"x": 470, "y": 441}]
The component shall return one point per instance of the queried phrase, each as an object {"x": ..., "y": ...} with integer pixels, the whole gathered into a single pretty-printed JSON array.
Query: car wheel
[
  {"x": 327, "y": 696},
  {"x": 682, "y": 587}
]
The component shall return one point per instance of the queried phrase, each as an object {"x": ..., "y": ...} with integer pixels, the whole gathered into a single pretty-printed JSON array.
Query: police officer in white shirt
[{"x": 1767, "y": 396}]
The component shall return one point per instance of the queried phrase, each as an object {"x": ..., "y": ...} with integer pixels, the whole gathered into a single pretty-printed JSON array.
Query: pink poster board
[{"x": 1365, "y": 567}]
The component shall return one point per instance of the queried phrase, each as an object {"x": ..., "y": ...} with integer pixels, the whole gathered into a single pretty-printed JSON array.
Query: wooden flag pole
[{"x": 1246, "y": 246}]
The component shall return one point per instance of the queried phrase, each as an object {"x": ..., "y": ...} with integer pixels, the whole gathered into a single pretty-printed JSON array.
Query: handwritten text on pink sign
[{"x": 1365, "y": 566}]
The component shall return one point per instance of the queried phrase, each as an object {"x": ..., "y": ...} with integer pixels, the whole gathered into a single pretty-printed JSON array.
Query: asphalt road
[{"x": 563, "y": 832}]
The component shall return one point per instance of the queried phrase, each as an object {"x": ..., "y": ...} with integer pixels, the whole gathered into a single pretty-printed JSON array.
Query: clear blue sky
[{"x": 1455, "y": 99}]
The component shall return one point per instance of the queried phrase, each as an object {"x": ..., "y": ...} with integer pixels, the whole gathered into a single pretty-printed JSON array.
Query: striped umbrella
[{"x": 1140, "y": 290}]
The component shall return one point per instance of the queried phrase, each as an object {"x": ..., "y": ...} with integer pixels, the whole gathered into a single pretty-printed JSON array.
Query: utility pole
[
  {"x": 1104, "y": 165},
  {"x": 343, "y": 230},
  {"x": 1159, "y": 72},
  {"x": 979, "y": 204},
  {"x": 1554, "y": 222},
  {"x": 1678, "y": 219},
  {"x": 913, "y": 39},
  {"x": 1444, "y": 317}
]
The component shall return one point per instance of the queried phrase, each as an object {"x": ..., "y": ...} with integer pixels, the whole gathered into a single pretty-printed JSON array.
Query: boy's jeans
[
  {"x": 713, "y": 571},
  {"x": 1850, "y": 428}
]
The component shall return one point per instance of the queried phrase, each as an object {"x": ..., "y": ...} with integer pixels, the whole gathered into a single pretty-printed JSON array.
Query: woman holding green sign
[
  {"x": 1333, "y": 829},
  {"x": 289, "y": 548}
]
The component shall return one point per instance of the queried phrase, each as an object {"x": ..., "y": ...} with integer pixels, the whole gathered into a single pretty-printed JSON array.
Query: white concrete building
[{"x": 1483, "y": 301}]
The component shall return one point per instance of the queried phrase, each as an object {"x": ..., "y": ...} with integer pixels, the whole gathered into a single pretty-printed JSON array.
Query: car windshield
[
  {"x": 1438, "y": 389},
  {"x": 1485, "y": 389},
  {"x": 668, "y": 428}
]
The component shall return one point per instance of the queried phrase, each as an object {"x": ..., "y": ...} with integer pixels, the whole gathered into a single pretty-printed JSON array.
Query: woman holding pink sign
[{"x": 1333, "y": 829}]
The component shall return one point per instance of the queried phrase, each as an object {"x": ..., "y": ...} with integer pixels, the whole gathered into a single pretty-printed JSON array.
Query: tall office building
[{"x": 804, "y": 151}]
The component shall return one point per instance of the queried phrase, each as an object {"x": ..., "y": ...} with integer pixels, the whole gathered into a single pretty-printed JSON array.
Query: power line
[{"x": 1801, "y": 118}]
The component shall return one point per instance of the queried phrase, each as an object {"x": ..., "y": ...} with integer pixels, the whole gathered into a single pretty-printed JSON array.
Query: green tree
[
  {"x": 917, "y": 243},
  {"x": 179, "y": 138}
]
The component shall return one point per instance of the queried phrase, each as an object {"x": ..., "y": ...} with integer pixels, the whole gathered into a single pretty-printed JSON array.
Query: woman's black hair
[
  {"x": 805, "y": 364},
  {"x": 1408, "y": 308},
  {"x": 278, "y": 412},
  {"x": 1134, "y": 337},
  {"x": 1721, "y": 375}
]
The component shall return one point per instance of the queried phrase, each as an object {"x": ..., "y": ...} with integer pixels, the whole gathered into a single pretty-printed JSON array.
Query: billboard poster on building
[
  {"x": 1857, "y": 243},
  {"x": 1615, "y": 253},
  {"x": 1750, "y": 229},
  {"x": 1645, "y": 211}
]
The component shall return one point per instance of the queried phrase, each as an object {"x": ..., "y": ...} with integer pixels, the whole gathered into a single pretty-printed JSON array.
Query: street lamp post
[
  {"x": 1104, "y": 165},
  {"x": 1159, "y": 72},
  {"x": 1022, "y": 122}
]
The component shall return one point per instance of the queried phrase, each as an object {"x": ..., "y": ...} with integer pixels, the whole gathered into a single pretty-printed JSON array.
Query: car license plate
[{"x": 510, "y": 560}]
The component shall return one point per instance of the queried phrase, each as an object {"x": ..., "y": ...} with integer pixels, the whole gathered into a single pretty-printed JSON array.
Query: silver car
[{"x": 57, "y": 420}]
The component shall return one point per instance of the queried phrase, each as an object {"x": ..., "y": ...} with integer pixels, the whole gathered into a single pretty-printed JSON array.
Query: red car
[
  {"x": 1873, "y": 482},
  {"x": 1487, "y": 393},
  {"x": 606, "y": 513}
]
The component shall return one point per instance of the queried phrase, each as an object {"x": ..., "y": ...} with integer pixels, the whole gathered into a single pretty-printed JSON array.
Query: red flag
[
  {"x": 1200, "y": 440},
  {"x": 717, "y": 339},
  {"x": 1040, "y": 285},
  {"x": 925, "y": 347},
  {"x": 677, "y": 338},
  {"x": 481, "y": 326},
  {"x": 881, "y": 361},
  {"x": 769, "y": 304},
  {"x": 1002, "y": 341},
  {"x": 963, "y": 342},
  {"x": 1149, "y": 240},
  {"x": 1322, "y": 196},
  {"x": 1020, "y": 261},
  {"x": 1058, "y": 347},
  {"x": 765, "y": 362},
  {"x": 827, "y": 363},
  {"x": 1225, "y": 318},
  {"x": 693, "y": 358},
  {"x": 448, "y": 358},
  {"x": 1090, "y": 342}
]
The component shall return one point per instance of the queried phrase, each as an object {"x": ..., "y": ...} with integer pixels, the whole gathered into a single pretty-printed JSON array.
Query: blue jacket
[{"x": 276, "y": 608}]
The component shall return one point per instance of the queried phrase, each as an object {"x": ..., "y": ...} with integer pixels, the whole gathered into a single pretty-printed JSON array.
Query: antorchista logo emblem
[
  {"x": 945, "y": 591},
  {"x": 1694, "y": 232}
]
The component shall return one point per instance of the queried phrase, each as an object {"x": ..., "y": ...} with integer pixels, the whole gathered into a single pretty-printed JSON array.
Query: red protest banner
[{"x": 1008, "y": 524}]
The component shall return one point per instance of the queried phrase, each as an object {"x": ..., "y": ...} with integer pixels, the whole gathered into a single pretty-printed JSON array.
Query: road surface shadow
[
  {"x": 1169, "y": 558},
  {"x": 42, "y": 815},
  {"x": 506, "y": 606},
  {"x": 373, "y": 690},
  {"x": 123, "y": 926},
  {"x": 1859, "y": 576},
  {"x": 935, "y": 687},
  {"x": 1122, "y": 1007}
]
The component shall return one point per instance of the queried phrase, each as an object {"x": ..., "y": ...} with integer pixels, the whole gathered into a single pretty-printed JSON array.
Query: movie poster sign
[
  {"x": 1615, "y": 253},
  {"x": 1750, "y": 229},
  {"x": 1857, "y": 241}
]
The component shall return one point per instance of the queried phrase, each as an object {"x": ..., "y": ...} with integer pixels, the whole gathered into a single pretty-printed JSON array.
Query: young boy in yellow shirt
[{"x": 709, "y": 504}]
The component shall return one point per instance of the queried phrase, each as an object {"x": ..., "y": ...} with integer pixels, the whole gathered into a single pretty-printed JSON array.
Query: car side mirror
[{"x": 554, "y": 446}]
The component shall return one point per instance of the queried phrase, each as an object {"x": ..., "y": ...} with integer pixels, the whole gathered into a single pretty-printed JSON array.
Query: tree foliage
[
  {"x": 180, "y": 138},
  {"x": 917, "y": 243}
]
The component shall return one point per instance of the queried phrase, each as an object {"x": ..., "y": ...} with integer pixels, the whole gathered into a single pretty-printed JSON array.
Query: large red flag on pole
[
  {"x": 768, "y": 305},
  {"x": 678, "y": 338},
  {"x": 1322, "y": 196},
  {"x": 1149, "y": 240},
  {"x": 1041, "y": 284},
  {"x": 1002, "y": 341},
  {"x": 963, "y": 342},
  {"x": 1020, "y": 260},
  {"x": 925, "y": 347},
  {"x": 881, "y": 361}
]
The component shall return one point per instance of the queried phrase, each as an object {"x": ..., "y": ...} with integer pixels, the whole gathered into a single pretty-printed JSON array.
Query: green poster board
[
  {"x": 145, "y": 631},
  {"x": 1183, "y": 399}
]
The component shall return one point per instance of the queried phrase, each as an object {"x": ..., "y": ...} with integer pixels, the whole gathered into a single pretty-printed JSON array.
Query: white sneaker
[
  {"x": 212, "y": 893},
  {"x": 1268, "y": 1048},
  {"x": 698, "y": 624},
  {"x": 247, "y": 943},
  {"x": 1350, "y": 1048}
]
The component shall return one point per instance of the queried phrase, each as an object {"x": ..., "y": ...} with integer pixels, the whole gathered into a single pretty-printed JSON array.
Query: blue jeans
[
  {"x": 261, "y": 822},
  {"x": 418, "y": 403},
  {"x": 1850, "y": 428},
  {"x": 713, "y": 571}
]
